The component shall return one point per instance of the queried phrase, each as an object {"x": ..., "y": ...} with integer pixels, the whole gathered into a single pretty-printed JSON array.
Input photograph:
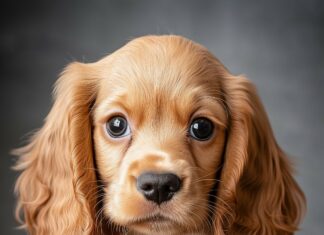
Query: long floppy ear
[
  {"x": 258, "y": 194},
  {"x": 56, "y": 189}
]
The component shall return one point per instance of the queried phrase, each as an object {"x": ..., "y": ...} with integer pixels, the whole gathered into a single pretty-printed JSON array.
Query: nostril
[
  {"x": 174, "y": 188},
  {"x": 170, "y": 183},
  {"x": 147, "y": 184},
  {"x": 146, "y": 187}
]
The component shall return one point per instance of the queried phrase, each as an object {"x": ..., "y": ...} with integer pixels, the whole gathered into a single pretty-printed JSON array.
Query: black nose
[{"x": 158, "y": 187}]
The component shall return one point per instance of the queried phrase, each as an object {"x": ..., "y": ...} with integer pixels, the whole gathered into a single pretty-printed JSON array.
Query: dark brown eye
[
  {"x": 117, "y": 127},
  {"x": 201, "y": 129}
]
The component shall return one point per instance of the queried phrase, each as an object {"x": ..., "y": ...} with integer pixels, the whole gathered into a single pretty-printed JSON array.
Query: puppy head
[
  {"x": 160, "y": 166},
  {"x": 178, "y": 145}
]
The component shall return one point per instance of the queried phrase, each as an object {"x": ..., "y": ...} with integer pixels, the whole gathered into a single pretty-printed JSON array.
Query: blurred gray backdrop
[{"x": 279, "y": 45}]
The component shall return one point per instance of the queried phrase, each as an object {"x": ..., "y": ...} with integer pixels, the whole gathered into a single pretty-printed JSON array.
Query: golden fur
[{"x": 76, "y": 179}]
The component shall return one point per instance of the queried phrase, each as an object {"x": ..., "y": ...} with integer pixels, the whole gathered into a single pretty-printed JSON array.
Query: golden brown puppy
[{"x": 156, "y": 138}]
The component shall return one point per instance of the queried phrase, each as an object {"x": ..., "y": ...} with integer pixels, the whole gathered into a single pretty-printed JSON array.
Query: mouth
[
  {"x": 151, "y": 219},
  {"x": 157, "y": 224}
]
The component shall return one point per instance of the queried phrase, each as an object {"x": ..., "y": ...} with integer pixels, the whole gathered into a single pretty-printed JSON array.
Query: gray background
[{"x": 279, "y": 45}]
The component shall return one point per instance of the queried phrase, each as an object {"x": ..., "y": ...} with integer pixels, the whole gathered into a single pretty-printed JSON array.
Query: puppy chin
[
  {"x": 161, "y": 228},
  {"x": 154, "y": 225}
]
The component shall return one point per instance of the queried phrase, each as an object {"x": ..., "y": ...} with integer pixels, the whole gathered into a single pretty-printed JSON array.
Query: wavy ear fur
[
  {"x": 56, "y": 189},
  {"x": 258, "y": 194}
]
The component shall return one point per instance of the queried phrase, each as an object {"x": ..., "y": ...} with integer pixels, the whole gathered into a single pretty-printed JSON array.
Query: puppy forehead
[
  {"x": 162, "y": 74},
  {"x": 162, "y": 62}
]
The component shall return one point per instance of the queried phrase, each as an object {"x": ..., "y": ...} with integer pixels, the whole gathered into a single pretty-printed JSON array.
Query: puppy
[{"x": 156, "y": 138}]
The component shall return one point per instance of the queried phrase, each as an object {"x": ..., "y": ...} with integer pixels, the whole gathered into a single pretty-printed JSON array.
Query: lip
[{"x": 151, "y": 219}]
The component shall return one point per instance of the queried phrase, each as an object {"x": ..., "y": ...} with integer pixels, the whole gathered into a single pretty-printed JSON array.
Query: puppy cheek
[
  {"x": 195, "y": 184},
  {"x": 191, "y": 211},
  {"x": 123, "y": 204},
  {"x": 196, "y": 194},
  {"x": 192, "y": 202}
]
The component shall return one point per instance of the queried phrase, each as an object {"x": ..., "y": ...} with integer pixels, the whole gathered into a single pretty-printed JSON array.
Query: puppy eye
[
  {"x": 201, "y": 129},
  {"x": 117, "y": 127}
]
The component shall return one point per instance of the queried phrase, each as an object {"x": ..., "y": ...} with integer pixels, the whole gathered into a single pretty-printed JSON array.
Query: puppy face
[
  {"x": 138, "y": 139},
  {"x": 159, "y": 131}
]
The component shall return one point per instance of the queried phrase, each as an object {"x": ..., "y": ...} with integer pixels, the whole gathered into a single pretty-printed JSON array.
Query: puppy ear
[
  {"x": 56, "y": 189},
  {"x": 258, "y": 193}
]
